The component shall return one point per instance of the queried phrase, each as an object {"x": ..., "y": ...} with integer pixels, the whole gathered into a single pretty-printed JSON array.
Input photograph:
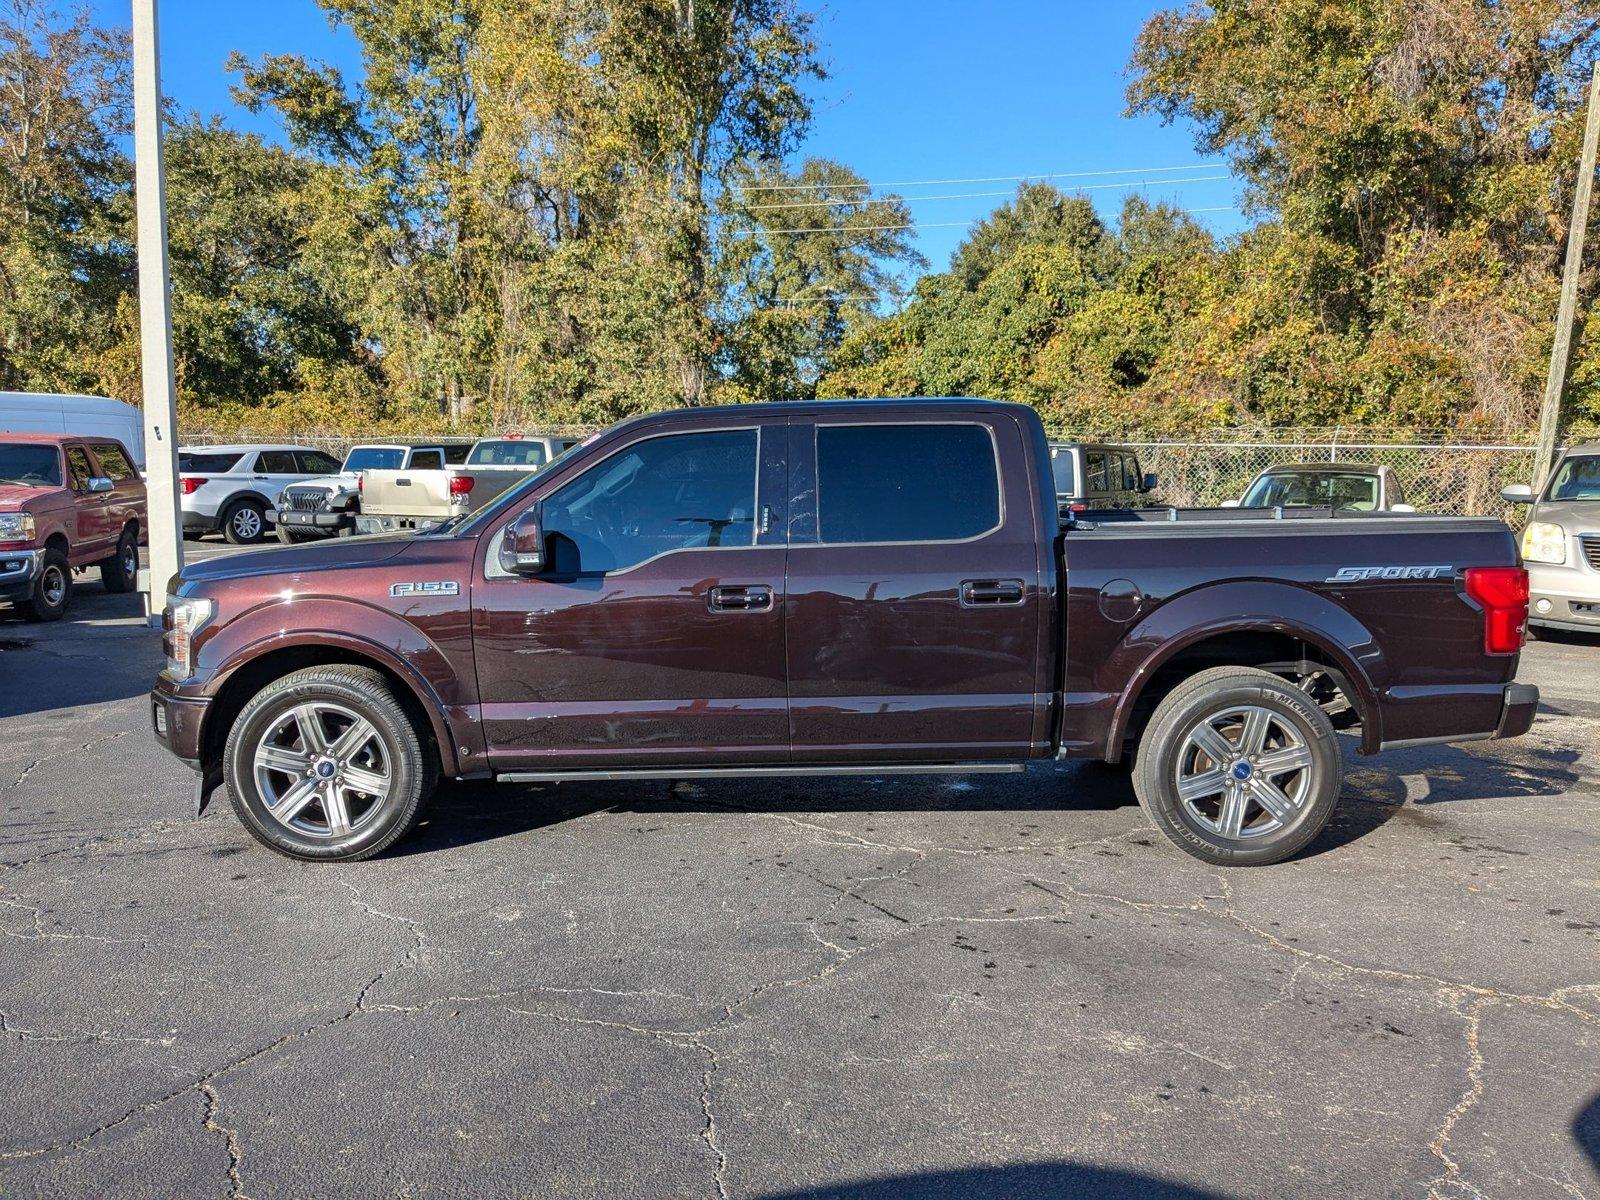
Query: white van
[{"x": 87, "y": 416}]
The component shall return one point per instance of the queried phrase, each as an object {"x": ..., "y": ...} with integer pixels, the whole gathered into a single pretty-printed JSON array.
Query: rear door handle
[
  {"x": 755, "y": 597},
  {"x": 983, "y": 592}
]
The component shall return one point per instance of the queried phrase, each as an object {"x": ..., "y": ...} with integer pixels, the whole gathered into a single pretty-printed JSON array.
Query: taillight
[
  {"x": 1502, "y": 593},
  {"x": 192, "y": 484},
  {"x": 460, "y": 485},
  {"x": 361, "y": 484}
]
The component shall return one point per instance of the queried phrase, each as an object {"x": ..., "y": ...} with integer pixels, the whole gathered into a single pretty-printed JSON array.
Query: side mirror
[
  {"x": 1150, "y": 481},
  {"x": 1517, "y": 493},
  {"x": 1230, "y": 504},
  {"x": 99, "y": 483},
  {"x": 522, "y": 546}
]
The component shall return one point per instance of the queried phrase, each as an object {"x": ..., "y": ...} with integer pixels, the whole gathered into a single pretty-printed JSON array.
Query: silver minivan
[{"x": 1561, "y": 542}]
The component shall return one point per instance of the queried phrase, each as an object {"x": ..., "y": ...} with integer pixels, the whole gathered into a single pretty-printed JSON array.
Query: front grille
[
  {"x": 306, "y": 501},
  {"x": 1591, "y": 548}
]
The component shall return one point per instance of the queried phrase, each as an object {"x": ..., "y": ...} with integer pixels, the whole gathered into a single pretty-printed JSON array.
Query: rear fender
[
  {"x": 1250, "y": 606},
  {"x": 357, "y": 629}
]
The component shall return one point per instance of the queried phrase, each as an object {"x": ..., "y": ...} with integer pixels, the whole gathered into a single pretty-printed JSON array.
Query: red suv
[{"x": 66, "y": 503}]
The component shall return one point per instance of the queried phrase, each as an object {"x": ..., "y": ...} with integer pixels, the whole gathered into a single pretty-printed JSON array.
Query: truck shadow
[
  {"x": 1411, "y": 786},
  {"x": 1034, "y": 1181}
]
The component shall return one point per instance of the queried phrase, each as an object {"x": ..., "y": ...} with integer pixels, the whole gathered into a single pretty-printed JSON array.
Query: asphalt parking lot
[{"x": 915, "y": 987}]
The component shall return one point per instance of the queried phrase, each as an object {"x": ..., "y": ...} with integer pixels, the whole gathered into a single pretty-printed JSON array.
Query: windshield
[
  {"x": 1313, "y": 489},
  {"x": 36, "y": 466},
  {"x": 216, "y": 464},
  {"x": 511, "y": 452},
  {"x": 473, "y": 522},
  {"x": 374, "y": 458},
  {"x": 1578, "y": 478},
  {"x": 1061, "y": 465}
]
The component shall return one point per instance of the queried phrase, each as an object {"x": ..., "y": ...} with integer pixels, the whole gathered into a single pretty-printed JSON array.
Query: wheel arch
[
  {"x": 253, "y": 669},
  {"x": 1250, "y": 639}
]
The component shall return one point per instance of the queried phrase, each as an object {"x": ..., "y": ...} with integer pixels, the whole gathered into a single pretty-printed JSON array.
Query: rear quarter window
[
  {"x": 906, "y": 483},
  {"x": 198, "y": 463}
]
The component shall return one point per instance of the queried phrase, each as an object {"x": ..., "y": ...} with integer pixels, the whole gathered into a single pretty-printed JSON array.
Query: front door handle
[
  {"x": 983, "y": 592},
  {"x": 754, "y": 597}
]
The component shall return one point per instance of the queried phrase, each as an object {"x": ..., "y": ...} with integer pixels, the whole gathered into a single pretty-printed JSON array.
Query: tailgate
[{"x": 404, "y": 493}]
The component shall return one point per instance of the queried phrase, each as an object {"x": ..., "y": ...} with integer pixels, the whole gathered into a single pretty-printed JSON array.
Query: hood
[
  {"x": 1575, "y": 516},
  {"x": 333, "y": 554},
  {"x": 14, "y": 497},
  {"x": 325, "y": 481}
]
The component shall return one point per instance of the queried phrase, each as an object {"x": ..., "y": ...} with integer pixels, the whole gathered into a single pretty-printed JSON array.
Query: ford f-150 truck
[
  {"x": 788, "y": 589},
  {"x": 66, "y": 503}
]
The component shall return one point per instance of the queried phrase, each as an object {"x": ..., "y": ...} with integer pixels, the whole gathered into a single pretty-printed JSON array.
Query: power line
[
  {"x": 797, "y": 187},
  {"x": 851, "y": 229},
  {"x": 1091, "y": 187}
]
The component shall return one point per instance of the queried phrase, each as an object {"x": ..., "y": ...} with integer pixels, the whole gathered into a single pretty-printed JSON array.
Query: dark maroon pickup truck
[{"x": 838, "y": 587}]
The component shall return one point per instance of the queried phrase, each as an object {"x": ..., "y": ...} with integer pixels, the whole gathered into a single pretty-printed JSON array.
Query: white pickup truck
[
  {"x": 327, "y": 506},
  {"x": 413, "y": 499}
]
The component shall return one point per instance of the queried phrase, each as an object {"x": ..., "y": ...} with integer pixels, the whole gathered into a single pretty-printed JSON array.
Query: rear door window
[
  {"x": 1096, "y": 472},
  {"x": 905, "y": 483},
  {"x": 315, "y": 462},
  {"x": 276, "y": 462},
  {"x": 427, "y": 460}
]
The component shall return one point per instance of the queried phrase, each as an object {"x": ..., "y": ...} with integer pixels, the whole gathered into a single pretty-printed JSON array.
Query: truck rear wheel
[
  {"x": 324, "y": 764},
  {"x": 120, "y": 572},
  {"x": 1238, "y": 767}
]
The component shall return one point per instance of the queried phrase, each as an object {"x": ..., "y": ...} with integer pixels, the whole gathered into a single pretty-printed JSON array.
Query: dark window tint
[
  {"x": 374, "y": 458},
  {"x": 196, "y": 463},
  {"x": 456, "y": 455},
  {"x": 315, "y": 462},
  {"x": 905, "y": 483},
  {"x": 426, "y": 460},
  {"x": 78, "y": 468},
  {"x": 113, "y": 462},
  {"x": 681, "y": 492},
  {"x": 27, "y": 463},
  {"x": 275, "y": 462}
]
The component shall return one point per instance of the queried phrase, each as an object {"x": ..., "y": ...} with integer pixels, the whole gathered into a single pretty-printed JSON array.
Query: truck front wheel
[
  {"x": 1238, "y": 767},
  {"x": 325, "y": 764}
]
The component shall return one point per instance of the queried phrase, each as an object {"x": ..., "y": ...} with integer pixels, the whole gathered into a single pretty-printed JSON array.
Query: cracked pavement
[{"x": 998, "y": 986}]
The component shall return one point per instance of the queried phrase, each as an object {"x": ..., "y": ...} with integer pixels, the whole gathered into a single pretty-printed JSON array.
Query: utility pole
[
  {"x": 1566, "y": 315},
  {"x": 155, "y": 316}
]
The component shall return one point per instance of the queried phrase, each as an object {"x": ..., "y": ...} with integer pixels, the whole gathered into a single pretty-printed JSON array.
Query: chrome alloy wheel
[
  {"x": 53, "y": 585},
  {"x": 322, "y": 770},
  {"x": 247, "y": 523},
  {"x": 1244, "y": 771}
]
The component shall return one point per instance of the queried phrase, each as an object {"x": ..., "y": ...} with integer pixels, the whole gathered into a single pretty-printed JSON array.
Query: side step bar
[{"x": 616, "y": 775}]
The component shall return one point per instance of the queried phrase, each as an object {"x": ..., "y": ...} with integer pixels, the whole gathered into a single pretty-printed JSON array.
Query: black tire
[
  {"x": 293, "y": 537},
  {"x": 1294, "y": 728},
  {"x": 52, "y": 591},
  {"x": 120, "y": 572},
  {"x": 244, "y": 522},
  {"x": 406, "y": 759}
]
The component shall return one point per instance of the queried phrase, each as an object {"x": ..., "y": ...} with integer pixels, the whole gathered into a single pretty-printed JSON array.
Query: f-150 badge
[
  {"x": 1363, "y": 574},
  {"x": 429, "y": 587}
]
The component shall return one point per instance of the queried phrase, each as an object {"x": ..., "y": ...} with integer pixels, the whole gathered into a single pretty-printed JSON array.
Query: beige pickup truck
[{"x": 397, "y": 500}]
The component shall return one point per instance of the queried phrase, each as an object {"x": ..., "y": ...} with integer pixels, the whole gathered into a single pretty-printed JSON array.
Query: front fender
[
  {"x": 349, "y": 625},
  {"x": 1249, "y": 606}
]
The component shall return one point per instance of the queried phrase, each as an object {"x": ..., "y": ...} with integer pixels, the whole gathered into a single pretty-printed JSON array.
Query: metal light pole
[{"x": 155, "y": 316}]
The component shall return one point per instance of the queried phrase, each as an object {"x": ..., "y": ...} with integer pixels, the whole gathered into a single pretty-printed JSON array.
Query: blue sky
[{"x": 918, "y": 90}]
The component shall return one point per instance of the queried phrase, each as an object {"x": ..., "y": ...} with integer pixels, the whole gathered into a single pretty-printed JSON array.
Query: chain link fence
[{"x": 1437, "y": 476}]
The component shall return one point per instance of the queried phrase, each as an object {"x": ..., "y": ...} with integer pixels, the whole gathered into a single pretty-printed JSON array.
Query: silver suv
[{"x": 1561, "y": 543}]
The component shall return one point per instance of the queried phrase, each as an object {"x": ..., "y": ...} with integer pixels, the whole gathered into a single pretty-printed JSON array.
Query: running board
[{"x": 616, "y": 775}]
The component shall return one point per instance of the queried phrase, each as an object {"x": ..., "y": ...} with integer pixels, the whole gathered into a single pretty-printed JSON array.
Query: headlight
[
  {"x": 1543, "y": 542},
  {"x": 186, "y": 617},
  {"x": 16, "y": 527}
]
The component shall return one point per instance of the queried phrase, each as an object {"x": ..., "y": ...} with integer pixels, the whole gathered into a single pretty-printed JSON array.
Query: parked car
[
  {"x": 1561, "y": 542},
  {"x": 233, "y": 488},
  {"x": 1355, "y": 486},
  {"x": 85, "y": 416},
  {"x": 414, "y": 500},
  {"x": 1090, "y": 476},
  {"x": 66, "y": 504},
  {"x": 789, "y": 590},
  {"x": 327, "y": 507}
]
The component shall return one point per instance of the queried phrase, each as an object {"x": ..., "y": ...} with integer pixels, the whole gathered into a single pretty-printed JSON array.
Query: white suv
[{"x": 233, "y": 488}]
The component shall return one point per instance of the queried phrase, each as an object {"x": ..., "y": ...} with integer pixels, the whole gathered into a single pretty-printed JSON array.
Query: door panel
[
  {"x": 89, "y": 513},
  {"x": 923, "y": 651},
  {"x": 628, "y": 653}
]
